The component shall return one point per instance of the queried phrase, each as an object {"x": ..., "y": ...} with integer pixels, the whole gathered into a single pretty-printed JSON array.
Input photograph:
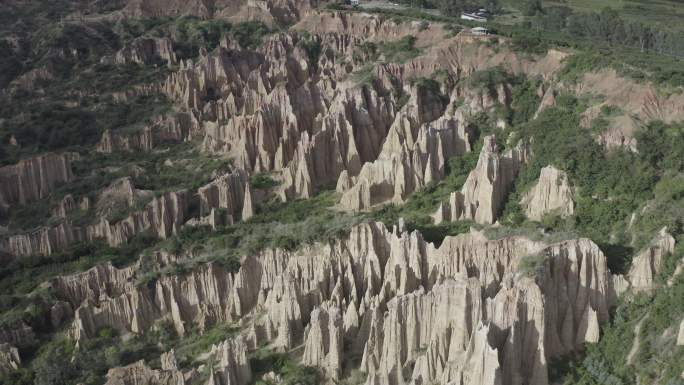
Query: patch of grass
[
  {"x": 399, "y": 51},
  {"x": 250, "y": 33},
  {"x": 195, "y": 343},
  {"x": 364, "y": 52},
  {"x": 365, "y": 75},
  {"x": 532, "y": 265},
  {"x": 283, "y": 225},
  {"x": 262, "y": 181}
]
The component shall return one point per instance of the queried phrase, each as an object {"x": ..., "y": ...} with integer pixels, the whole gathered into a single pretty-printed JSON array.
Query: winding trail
[{"x": 635, "y": 344}]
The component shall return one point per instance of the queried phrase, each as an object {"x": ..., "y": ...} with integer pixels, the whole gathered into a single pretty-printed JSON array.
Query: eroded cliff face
[
  {"x": 414, "y": 153},
  {"x": 162, "y": 217},
  {"x": 230, "y": 191},
  {"x": 269, "y": 11},
  {"x": 173, "y": 129},
  {"x": 229, "y": 365},
  {"x": 146, "y": 51},
  {"x": 268, "y": 109},
  {"x": 637, "y": 103},
  {"x": 33, "y": 179},
  {"x": 412, "y": 313}
]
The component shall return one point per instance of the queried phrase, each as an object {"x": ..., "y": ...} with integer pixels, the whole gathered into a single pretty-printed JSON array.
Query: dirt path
[{"x": 635, "y": 344}]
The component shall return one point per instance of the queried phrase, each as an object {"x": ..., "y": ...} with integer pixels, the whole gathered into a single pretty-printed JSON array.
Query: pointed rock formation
[
  {"x": 146, "y": 51},
  {"x": 68, "y": 204},
  {"x": 119, "y": 194},
  {"x": 588, "y": 331},
  {"x": 163, "y": 216},
  {"x": 414, "y": 154},
  {"x": 231, "y": 365},
  {"x": 324, "y": 342},
  {"x": 9, "y": 359},
  {"x": 551, "y": 194},
  {"x": 646, "y": 265},
  {"x": 64, "y": 207},
  {"x": 247, "y": 208},
  {"x": 486, "y": 188},
  {"x": 139, "y": 373},
  {"x": 225, "y": 192},
  {"x": 173, "y": 129},
  {"x": 482, "y": 362}
]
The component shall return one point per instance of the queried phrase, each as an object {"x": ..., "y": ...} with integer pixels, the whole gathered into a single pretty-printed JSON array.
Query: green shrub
[
  {"x": 192, "y": 34},
  {"x": 21, "y": 376},
  {"x": 659, "y": 145},
  {"x": 313, "y": 49},
  {"x": 190, "y": 347},
  {"x": 366, "y": 51},
  {"x": 532, "y": 265},
  {"x": 399, "y": 51},
  {"x": 263, "y": 361},
  {"x": 365, "y": 75},
  {"x": 249, "y": 34},
  {"x": 262, "y": 181},
  {"x": 530, "y": 42}
]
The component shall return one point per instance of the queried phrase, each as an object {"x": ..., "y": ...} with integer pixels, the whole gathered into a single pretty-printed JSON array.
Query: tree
[
  {"x": 52, "y": 367},
  {"x": 493, "y": 6},
  {"x": 532, "y": 7}
]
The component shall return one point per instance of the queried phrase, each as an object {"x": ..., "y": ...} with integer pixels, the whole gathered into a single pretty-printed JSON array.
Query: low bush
[
  {"x": 399, "y": 51},
  {"x": 262, "y": 181},
  {"x": 190, "y": 347},
  {"x": 532, "y": 265},
  {"x": 264, "y": 361}
]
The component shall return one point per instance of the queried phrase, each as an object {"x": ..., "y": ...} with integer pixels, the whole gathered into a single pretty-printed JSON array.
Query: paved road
[{"x": 381, "y": 4}]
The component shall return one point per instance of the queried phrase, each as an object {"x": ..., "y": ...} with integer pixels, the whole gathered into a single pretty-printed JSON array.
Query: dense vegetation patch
[
  {"x": 264, "y": 361},
  {"x": 638, "y": 49}
]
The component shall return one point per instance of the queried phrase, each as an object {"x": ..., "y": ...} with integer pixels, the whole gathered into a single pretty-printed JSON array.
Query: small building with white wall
[{"x": 479, "y": 31}]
